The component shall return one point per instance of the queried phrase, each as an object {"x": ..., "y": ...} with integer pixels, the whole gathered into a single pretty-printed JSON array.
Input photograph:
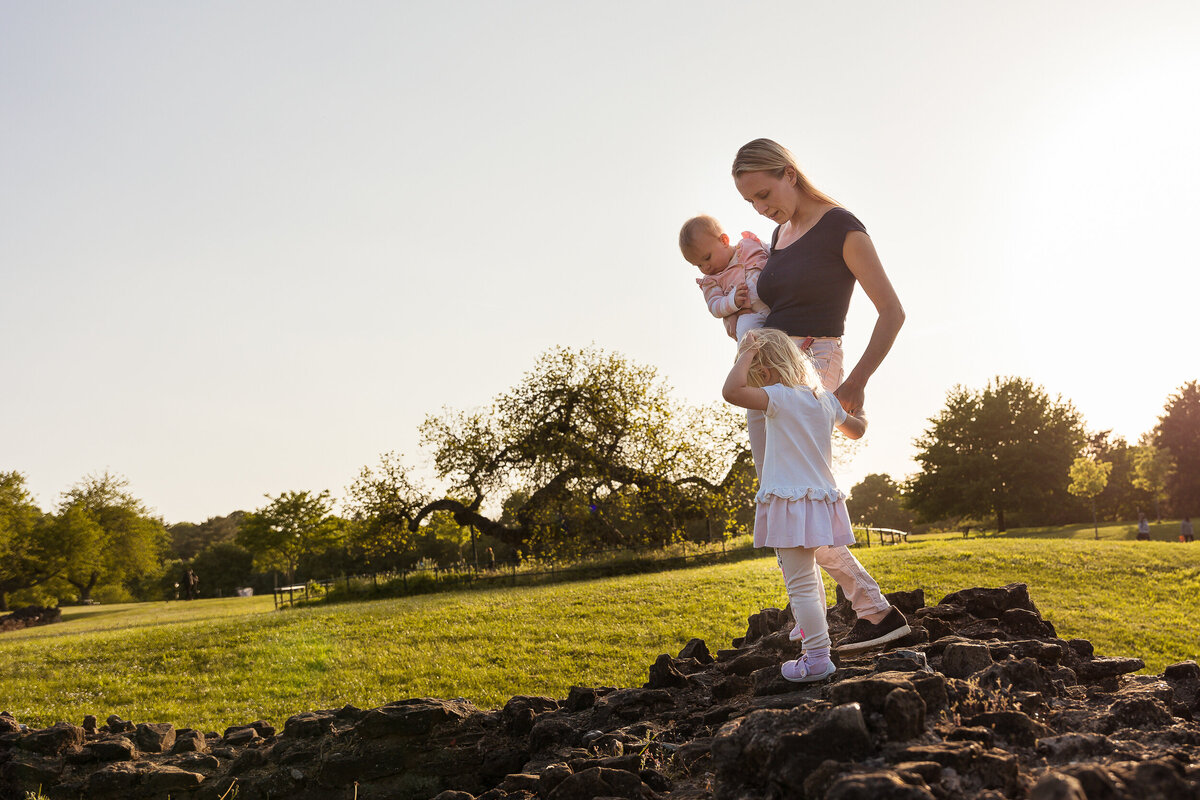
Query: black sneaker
[{"x": 865, "y": 635}]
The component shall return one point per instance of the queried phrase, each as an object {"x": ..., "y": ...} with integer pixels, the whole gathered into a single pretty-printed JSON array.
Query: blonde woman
[{"x": 819, "y": 250}]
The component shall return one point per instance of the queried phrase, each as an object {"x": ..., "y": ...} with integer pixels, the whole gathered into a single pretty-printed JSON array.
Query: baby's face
[{"x": 711, "y": 253}]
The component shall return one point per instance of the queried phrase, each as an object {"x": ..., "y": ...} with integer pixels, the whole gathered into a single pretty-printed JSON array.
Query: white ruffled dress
[{"x": 799, "y": 504}]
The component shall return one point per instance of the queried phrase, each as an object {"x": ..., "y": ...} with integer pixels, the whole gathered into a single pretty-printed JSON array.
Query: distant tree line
[
  {"x": 590, "y": 451},
  {"x": 1009, "y": 455}
]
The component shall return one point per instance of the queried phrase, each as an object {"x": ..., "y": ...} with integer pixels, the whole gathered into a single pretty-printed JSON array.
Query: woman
[{"x": 818, "y": 252}]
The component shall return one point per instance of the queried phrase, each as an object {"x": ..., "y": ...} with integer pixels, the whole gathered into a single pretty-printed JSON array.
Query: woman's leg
[{"x": 859, "y": 587}]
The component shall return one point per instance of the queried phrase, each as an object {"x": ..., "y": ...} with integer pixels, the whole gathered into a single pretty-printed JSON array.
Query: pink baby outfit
[
  {"x": 720, "y": 290},
  {"x": 798, "y": 502}
]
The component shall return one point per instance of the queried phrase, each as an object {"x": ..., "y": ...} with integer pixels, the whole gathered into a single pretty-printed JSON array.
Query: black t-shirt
[{"x": 807, "y": 284}]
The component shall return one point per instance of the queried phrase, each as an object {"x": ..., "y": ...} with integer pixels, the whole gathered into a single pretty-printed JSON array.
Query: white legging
[
  {"x": 858, "y": 585},
  {"x": 806, "y": 594}
]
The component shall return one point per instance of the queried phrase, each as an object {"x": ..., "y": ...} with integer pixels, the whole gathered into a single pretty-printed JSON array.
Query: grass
[{"x": 210, "y": 663}]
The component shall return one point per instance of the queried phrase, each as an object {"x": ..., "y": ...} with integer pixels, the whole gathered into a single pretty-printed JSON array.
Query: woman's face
[{"x": 774, "y": 198}]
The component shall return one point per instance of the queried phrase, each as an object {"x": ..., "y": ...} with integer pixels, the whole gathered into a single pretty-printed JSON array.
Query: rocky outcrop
[
  {"x": 28, "y": 617},
  {"x": 981, "y": 700}
]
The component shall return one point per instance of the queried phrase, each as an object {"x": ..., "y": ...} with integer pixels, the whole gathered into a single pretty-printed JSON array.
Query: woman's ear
[{"x": 790, "y": 174}]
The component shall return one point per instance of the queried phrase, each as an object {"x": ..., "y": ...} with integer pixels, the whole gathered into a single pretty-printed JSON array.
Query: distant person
[
  {"x": 491, "y": 557},
  {"x": 190, "y": 583},
  {"x": 730, "y": 282},
  {"x": 798, "y": 506},
  {"x": 1143, "y": 530},
  {"x": 818, "y": 252},
  {"x": 1185, "y": 530}
]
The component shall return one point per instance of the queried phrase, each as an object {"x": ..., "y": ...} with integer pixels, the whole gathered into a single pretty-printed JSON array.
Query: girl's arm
[
  {"x": 737, "y": 389},
  {"x": 860, "y": 256},
  {"x": 854, "y": 426}
]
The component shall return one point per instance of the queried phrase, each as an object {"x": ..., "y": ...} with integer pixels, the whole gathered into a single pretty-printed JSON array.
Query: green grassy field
[{"x": 210, "y": 663}]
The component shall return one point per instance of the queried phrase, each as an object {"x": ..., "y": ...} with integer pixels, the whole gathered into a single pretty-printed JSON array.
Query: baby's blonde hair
[
  {"x": 775, "y": 350},
  {"x": 692, "y": 229}
]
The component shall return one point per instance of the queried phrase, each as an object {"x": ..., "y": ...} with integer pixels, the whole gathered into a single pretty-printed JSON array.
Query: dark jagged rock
[
  {"x": 29, "y": 617},
  {"x": 982, "y": 702}
]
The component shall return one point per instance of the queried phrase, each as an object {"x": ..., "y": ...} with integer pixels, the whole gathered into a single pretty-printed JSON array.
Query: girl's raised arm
[{"x": 737, "y": 389}]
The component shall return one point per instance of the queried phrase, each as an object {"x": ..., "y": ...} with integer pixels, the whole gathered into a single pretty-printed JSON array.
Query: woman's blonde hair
[
  {"x": 776, "y": 350},
  {"x": 765, "y": 155}
]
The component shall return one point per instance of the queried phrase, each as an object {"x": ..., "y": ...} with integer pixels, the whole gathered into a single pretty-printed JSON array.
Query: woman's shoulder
[{"x": 843, "y": 219}]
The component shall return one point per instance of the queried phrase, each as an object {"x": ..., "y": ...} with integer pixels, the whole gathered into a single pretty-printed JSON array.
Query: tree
[
  {"x": 290, "y": 526},
  {"x": 109, "y": 534},
  {"x": 875, "y": 502},
  {"x": 1003, "y": 450},
  {"x": 1120, "y": 496},
  {"x": 188, "y": 538},
  {"x": 30, "y": 555},
  {"x": 379, "y": 504},
  {"x": 1178, "y": 432},
  {"x": 1152, "y": 468},
  {"x": 223, "y": 567},
  {"x": 1088, "y": 479},
  {"x": 598, "y": 451}
]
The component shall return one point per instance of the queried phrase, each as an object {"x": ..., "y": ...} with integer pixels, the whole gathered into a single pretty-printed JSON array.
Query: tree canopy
[
  {"x": 292, "y": 525},
  {"x": 1003, "y": 449},
  {"x": 109, "y": 535},
  {"x": 29, "y": 552},
  {"x": 876, "y": 502},
  {"x": 589, "y": 448},
  {"x": 1178, "y": 432}
]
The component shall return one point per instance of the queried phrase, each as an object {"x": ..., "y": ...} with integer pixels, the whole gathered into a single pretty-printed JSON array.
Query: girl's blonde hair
[
  {"x": 765, "y": 155},
  {"x": 775, "y": 350}
]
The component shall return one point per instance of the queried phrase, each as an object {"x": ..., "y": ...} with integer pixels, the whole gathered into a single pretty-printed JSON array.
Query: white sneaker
[{"x": 798, "y": 671}]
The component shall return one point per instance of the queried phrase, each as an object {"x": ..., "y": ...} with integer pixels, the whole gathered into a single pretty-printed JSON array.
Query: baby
[{"x": 730, "y": 282}]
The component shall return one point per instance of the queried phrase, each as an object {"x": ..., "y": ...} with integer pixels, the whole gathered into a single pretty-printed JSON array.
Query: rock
[
  {"x": 839, "y": 733},
  {"x": 54, "y": 740},
  {"x": 117, "y": 725},
  {"x": 1139, "y": 712},
  {"x": 1015, "y": 675},
  {"x": 1023, "y": 622},
  {"x": 996, "y": 770},
  {"x": 952, "y": 755},
  {"x": 29, "y": 617},
  {"x": 695, "y": 648},
  {"x": 764, "y": 623},
  {"x": 631, "y": 703},
  {"x": 991, "y": 603},
  {"x": 451, "y": 794},
  {"x": 552, "y": 730},
  {"x": 1056, "y": 786},
  {"x": 240, "y": 736},
  {"x": 170, "y": 779},
  {"x": 117, "y": 748},
  {"x": 962, "y": 659},
  {"x": 870, "y": 690},
  {"x": 580, "y": 698},
  {"x": 984, "y": 736},
  {"x": 89, "y": 724},
  {"x": 665, "y": 675},
  {"x": 875, "y": 786},
  {"x": 29, "y": 771},
  {"x": 904, "y": 714},
  {"x": 600, "y": 782},
  {"x": 154, "y": 737},
  {"x": 119, "y": 777},
  {"x": 1182, "y": 671},
  {"x": 189, "y": 741},
  {"x": 752, "y": 662},
  {"x": 519, "y": 782},
  {"x": 551, "y": 777},
  {"x": 520, "y": 711},
  {"x": 901, "y": 661},
  {"x": 1017, "y": 728},
  {"x": 8, "y": 724},
  {"x": 309, "y": 723},
  {"x": 908, "y": 602},
  {"x": 1097, "y": 669}
]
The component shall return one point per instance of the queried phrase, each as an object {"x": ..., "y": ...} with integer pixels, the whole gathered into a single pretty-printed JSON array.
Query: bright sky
[{"x": 247, "y": 246}]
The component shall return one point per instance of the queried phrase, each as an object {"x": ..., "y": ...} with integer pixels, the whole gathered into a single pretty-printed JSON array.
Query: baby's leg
[{"x": 804, "y": 591}]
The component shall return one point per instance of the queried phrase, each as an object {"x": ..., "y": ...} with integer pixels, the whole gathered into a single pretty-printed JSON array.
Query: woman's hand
[{"x": 851, "y": 395}]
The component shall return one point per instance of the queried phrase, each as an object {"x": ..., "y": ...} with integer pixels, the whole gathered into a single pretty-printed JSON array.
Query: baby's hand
[{"x": 742, "y": 295}]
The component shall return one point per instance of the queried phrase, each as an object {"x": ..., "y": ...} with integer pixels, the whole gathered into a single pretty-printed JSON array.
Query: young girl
[
  {"x": 730, "y": 273},
  {"x": 799, "y": 505}
]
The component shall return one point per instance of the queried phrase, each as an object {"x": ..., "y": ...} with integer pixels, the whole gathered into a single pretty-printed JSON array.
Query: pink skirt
[{"x": 779, "y": 522}]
